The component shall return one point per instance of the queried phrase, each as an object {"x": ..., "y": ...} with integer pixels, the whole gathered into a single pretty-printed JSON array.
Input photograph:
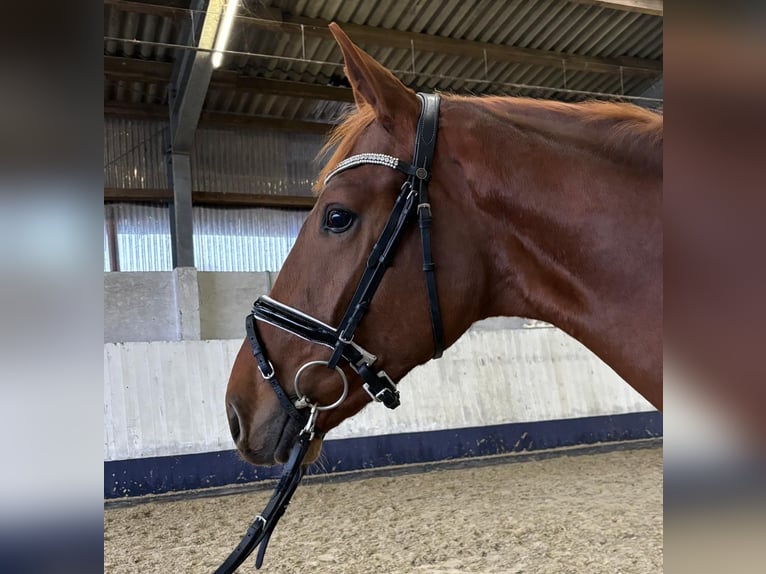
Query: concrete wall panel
[
  {"x": 225, "y": 300},
  {"x": 139, "y": 307},
  {"x": 167, "y": 398}
]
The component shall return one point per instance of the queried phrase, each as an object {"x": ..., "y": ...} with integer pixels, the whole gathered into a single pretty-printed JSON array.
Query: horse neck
[{"x": 573, "y": 227}]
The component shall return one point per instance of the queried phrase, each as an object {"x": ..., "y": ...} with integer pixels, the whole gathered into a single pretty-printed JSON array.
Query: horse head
[{"x": 324, "y": 268}]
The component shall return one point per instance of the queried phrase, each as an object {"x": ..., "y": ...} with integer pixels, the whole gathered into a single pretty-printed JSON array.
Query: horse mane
[{"x": 625, "y": 132}]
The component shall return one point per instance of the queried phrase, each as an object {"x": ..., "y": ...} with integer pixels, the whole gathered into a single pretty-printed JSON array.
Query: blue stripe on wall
[{"x": 156, "y": 475}]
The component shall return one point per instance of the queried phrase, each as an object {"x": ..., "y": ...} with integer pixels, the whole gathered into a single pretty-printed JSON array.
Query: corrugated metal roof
[
  {"x": 561, "y": 26},
  {"x": 225, "y": 160}
]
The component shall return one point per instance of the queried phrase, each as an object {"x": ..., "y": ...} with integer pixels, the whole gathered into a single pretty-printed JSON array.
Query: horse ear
[{"x": 373, "y": 84}]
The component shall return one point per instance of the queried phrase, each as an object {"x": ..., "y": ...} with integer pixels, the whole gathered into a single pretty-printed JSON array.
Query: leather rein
[{"x": 412, "y": 202}]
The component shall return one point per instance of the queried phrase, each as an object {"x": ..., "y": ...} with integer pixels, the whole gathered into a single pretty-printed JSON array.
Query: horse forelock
[{"x": 342, "y": 138}]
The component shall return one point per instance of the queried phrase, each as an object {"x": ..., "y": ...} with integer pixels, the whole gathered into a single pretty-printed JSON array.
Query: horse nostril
[{"x": 234, "y": 423}]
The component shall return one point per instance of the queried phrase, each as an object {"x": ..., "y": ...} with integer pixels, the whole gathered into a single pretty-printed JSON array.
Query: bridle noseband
[{"x": 411, "y": 202}]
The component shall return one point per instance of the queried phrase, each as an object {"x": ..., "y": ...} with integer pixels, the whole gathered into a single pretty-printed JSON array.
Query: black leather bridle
[{"x": 411, "y": 202}]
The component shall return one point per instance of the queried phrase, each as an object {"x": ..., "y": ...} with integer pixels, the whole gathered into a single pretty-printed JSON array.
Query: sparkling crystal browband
[{"x": 361, "y": 159}]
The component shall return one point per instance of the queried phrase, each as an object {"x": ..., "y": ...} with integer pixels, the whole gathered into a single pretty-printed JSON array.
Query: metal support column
[
  {"x": 181, "y": 235},
  {"x": 188, "y": 88}
]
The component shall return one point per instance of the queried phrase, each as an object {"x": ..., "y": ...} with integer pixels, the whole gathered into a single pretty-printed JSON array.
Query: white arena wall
[{"x": 505, "y": 386}]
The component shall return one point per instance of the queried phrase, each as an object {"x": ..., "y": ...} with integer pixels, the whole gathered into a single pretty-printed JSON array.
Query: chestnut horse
[{"x": 543, "y": 210}]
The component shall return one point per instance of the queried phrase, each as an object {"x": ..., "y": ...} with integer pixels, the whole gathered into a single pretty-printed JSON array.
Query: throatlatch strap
[
  {"x": 424, "y": 222},
  {"x": 425, "y": 148}
]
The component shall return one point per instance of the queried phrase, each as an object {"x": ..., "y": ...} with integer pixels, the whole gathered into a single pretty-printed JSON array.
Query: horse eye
[{"x": 339, "y": 220}]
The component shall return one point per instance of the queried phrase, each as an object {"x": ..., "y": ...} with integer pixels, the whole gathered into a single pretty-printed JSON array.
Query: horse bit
[{"x": 412, "y": 200}]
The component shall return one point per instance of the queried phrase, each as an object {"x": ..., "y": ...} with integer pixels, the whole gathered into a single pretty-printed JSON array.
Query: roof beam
[
  {"x": 282, "y": 87},
  {"x": 217, "y": 119},
  {"x": 312, "y": 27},
  {"x": 468, "y": 48},
  {"x": 211, "y": 198},
  {"x": 137, "y": 70},
  {"x": 160, "y": 72},
  {"x": 191, "y": 76},
  {"x": 653, "y": 7}
]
